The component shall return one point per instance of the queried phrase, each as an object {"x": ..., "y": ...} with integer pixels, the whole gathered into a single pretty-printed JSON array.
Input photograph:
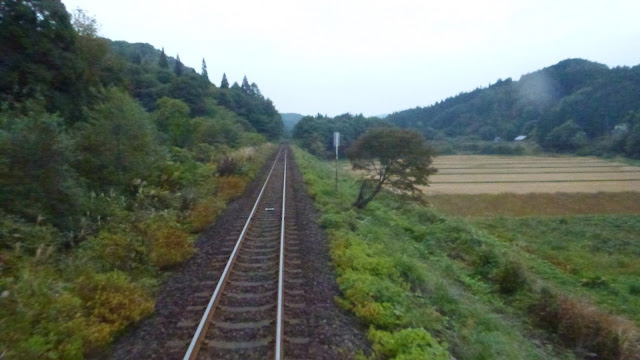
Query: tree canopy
[
  {"x": 397, "y": 157},
  {"x": 315, "y": 133}
]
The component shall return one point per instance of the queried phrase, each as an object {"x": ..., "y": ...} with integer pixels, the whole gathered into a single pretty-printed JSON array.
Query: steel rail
[
  {"x": 281, "y": 271},
  {"x": 196, "y": 341}
]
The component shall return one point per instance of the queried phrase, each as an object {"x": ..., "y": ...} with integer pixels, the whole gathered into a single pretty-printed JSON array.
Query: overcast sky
[{"x": 369, "y": 56}]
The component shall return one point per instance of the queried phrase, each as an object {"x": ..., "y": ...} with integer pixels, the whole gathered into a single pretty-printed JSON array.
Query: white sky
[{"x": 371, "y": 56}]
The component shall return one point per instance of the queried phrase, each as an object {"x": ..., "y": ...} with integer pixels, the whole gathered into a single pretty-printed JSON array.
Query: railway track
[{"x": 256, "y": 310}]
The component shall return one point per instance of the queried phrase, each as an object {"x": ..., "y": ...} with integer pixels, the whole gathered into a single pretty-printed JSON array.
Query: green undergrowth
[
  {"x": 68, "y": 301},
  {"x": 435, "y": 287},
  {"x": 593, "y": 254}
]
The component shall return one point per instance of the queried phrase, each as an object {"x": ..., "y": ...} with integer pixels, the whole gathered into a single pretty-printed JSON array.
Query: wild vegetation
[
  {"x": 432, "y": 286},
  {"x": 112, "y": 157}
]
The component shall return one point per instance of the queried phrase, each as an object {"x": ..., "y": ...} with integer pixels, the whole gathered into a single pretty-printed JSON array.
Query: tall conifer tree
[
  {"x": 163, "y": 63},
  {"x": 245, "y": 85},
  {"x": 179, "y": 67},
  {"x": 225, "y": 83},
  {"x": 204, "y": 69}
]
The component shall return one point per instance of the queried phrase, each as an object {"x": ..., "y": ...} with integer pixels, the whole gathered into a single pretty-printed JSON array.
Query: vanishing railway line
[{"x": 255, "y": 310}]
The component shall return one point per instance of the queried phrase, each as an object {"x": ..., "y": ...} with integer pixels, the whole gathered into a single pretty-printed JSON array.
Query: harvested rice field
[
  {"x": 475, "y": 174},
  {"x": 486, "y": 186}
]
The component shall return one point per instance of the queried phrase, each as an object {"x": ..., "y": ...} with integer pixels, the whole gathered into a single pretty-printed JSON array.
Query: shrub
[
  {"x": 40, "y": 317},
  {"x": 373, "y": 299},
  {"x": 510, "y": 277},
  {"x": 204, "y": 213},
  {"x": 114, "y": 249},
  {"x": 230, "y": 166},
  {"x": 112, "y": 302},
  {"x": 407, "y": 344},
  {"x": 169, "y": 243},
  {"x": 230, "y": 187},
  {"x": 586, "y": 328}
]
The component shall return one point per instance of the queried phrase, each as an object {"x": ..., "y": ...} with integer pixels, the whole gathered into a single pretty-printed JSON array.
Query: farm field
[
  {"x": 472, "y": 186},
  {"x": 530, "y": 174},
  {"x": 577, "y": 216}
]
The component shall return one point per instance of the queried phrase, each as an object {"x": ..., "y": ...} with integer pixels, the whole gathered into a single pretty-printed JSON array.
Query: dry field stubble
[{"x": 528, "y": 186}]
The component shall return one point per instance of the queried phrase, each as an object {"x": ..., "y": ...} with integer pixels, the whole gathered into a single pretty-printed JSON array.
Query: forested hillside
[
  {"x": 316, "y": 133},
  {"x": 112, "y": 156},
  {"x": 575, "y": 105}
]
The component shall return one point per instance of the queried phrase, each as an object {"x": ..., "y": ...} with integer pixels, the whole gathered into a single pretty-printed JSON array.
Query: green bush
[
  {"x": 111, "y": 302},
  {"x": 41, "y": 317},
  {"x": 114, "y": 248},
  {"x": 511, "y": 277},
  {"x": 407, "y": 344},
  {"x": 169, "y": 243}
]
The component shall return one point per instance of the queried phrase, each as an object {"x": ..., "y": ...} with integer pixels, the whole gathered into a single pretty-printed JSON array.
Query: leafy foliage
[
  {"x": 36, "y": 179},
  {"x": 118, "y": 145},
  {"x": 397, "y": 157}
]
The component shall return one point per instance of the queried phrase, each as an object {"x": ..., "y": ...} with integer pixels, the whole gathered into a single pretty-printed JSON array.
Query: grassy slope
[
  {"x": 595, "y": 255},
  {"x": 414, "y": 275}
]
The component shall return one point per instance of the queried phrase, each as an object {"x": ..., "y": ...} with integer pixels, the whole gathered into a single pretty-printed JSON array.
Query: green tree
[
  {"x": 172, "y": 119},
  {"x": 178, "y": 68},
  {"x": 400, "y": 158},
  {"x": 163, "y": 62},
  {"x": 118, "y": 144},
  {"x": 36, "y": 181},
  {"x": 83, "y": 23},
  {"x": 205, "y": 74},
  {"x": 224, "y": 84},
  {"x": 566, "y": 137},
  {"x": 38, "y": 56},
  {"x": 246, "y": 87}
]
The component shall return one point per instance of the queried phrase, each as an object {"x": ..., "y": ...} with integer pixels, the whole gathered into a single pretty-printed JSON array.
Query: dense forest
[
  {"x": 112, "y": 156},
  {"x": 315, "y": 133},
  {"x": 573, "y": 106}
]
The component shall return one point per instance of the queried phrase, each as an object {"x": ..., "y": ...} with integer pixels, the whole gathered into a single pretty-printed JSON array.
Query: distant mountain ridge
[
  {"x": 562, "y": 107},
  {"x": 290, "y": 120}
]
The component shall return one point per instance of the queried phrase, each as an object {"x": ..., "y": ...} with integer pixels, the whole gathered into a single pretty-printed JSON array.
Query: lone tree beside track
[{"x": 400, "y": 158}]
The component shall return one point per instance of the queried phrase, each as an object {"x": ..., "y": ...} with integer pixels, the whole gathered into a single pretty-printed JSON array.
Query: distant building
[{"x": 520, "y": 138}]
